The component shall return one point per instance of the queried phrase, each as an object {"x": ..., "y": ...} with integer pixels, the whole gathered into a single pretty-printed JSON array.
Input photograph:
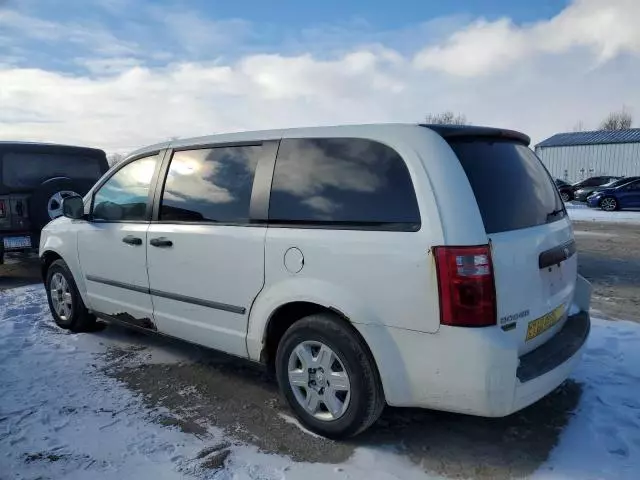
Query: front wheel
[
  {"x": 66, "y": 305},
  {"x": 609, "y": 204},
  {"x": 328, "y": 377},
  {"x": 565, "y": 197}
]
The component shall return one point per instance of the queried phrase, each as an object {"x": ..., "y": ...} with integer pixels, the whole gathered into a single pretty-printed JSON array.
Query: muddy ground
[{"x": 207, "y": 388}]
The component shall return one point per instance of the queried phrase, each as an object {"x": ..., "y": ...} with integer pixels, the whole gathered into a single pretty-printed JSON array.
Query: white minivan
[{"x": 409, "y": 265}]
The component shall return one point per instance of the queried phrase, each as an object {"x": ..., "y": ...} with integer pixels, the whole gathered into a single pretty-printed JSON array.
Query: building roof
[{"x": 597, "y": 137}]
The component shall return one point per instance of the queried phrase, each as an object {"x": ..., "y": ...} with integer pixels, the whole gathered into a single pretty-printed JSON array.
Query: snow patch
[
  {"x": 295, "y": 422},
  {"x": 62, "y": 417},
  {"x": 603, "y": 438},
  {"x": 582, "y": 213}
]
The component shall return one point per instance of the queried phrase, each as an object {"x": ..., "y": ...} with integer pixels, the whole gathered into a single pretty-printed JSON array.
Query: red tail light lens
[
  {"x": 467, "y": 287},
  {"x": 3, "y": 209}
]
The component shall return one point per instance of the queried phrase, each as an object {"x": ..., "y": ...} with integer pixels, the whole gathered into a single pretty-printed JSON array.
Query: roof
[
  {"x": 596, "y": 137},
  {"x": 378, "y": 130},
  {"x": 43, "y": 146}
]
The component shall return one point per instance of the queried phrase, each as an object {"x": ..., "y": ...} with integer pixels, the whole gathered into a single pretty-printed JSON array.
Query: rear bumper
[{"x": 477, "y": 371}]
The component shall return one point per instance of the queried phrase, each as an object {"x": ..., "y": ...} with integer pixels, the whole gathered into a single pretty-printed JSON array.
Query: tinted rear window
[
  {"x": 344, "y": 183},
  {"x": 28, "y": 170},
  {"x": 512, "y": 187}
]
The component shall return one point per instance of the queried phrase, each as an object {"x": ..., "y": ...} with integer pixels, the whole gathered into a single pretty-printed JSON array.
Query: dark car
[
  {"x": 616, "y": 198},
  {"x": 34, "y": 178},
  {"x": 565, "y": 190},
  {"x": 614, "y": 184},
  {"x": 581, "y": 190}
]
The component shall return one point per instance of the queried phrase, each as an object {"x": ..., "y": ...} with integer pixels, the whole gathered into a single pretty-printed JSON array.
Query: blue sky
[
  {"x": 87, "y": 71},
  {"x": 205, "y": 30}
]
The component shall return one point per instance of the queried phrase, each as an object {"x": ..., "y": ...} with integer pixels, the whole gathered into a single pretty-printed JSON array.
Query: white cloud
[
  {"x": 539, "y": 78},
  {"x": 607, "y": 28}
]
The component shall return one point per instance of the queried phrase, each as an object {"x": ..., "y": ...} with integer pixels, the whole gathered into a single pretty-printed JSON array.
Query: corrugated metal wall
[{"x": 575, "y": 163}]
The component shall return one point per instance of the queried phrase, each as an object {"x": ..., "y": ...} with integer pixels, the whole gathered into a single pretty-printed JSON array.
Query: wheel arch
[
  {"x": 285, "y": 315},
  {"x": 49, "y": 254},
  {"x": 46, "y": 259}
]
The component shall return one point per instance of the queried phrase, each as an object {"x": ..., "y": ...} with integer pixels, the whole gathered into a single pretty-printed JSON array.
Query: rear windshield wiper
[{"x": 555, "y": 212}]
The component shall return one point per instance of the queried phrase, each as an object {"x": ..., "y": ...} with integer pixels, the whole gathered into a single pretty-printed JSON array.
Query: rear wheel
[
  {"x": 65, "y": 302},
  {"x": 328, "y": 377},
  {"x": 609, "y": 204}
]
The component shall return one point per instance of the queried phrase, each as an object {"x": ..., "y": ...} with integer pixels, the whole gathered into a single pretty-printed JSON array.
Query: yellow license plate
[{"x": 542, "y": 324}]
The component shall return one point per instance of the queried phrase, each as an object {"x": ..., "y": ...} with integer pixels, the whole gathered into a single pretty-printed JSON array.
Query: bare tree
[
  {"x": 114, "y": 158},
  {"x": 446, "y": 118},
  {"x": 620, "y": 120}
]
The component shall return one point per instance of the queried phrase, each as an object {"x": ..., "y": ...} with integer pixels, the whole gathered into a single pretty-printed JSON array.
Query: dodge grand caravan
[{"x": 410, "y": 265}]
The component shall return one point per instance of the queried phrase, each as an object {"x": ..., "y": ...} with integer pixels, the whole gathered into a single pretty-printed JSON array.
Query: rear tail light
[
  {"x": 3, "y": 209},
  {"x": 467, "y": 287}
]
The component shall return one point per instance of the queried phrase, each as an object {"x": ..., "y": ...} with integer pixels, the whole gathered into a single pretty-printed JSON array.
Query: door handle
[
  {"x": 131, "y": 240},
  {"x": 161, "y": 242}
]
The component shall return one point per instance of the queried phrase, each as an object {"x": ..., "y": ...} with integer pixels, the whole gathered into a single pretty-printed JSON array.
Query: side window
[
  {"x": 635, "y": 186},
  {"x": 342, "y": 182},
  {"x": 210, "y": 185},
  {"x": 592, "y": 182},
  {"x": 124, "y": 196}
]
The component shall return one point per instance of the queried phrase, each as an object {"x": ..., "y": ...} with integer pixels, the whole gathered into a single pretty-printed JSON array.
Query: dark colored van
[{"x": 34, "y": 178}]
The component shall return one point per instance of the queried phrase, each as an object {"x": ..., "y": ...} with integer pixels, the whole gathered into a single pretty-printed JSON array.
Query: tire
[
  {"x": 565, "y": 197},
  {"x": 78, "y": 319},
  {"x": 44, "y": 194},
  {"x": 609, "y": 204},
  {"x": 363, "y": 403}
]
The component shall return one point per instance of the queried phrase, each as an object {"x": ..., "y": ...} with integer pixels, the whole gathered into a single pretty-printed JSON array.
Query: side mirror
[{"x": 73, "y": 207}]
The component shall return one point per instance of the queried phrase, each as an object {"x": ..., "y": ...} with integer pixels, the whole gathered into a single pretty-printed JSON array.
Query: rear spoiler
[{"x": 450, "y": 132}]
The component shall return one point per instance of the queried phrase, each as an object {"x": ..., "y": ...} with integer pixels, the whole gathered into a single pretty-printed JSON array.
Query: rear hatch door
[{"x": 530, "y": 234}]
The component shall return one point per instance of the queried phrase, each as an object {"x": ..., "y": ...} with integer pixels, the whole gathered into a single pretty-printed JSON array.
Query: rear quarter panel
[{"x": 371, "y": 277}]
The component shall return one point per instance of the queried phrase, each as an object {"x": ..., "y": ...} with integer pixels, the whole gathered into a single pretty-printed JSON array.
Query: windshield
[{"x": 512, "y": 187}]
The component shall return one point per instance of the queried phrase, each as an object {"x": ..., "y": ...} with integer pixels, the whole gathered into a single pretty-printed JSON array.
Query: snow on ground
[
  {"x": 61, "y": 417},
  {"x": 581, "y": 212}
]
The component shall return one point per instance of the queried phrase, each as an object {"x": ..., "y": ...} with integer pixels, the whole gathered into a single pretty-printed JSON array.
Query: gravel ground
[
  {"x": 609, "y": 258},
  {"x": 211, "y": 388}
]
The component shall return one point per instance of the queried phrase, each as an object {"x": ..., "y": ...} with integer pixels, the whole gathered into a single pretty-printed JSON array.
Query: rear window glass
[
  {"x": 28, "y": 170},
  {"x": 342, "y": 182},
  {"x": 512, "y": 187}
]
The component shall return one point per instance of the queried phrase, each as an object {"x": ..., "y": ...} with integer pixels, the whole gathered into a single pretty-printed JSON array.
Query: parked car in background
[
  {"x": 581, "y": 190},
  {"x": 366, "y": 264},
  {"x": 607, "y": 186},
  {"x": 616, "y": 198},
  {"x": 34, "y": 179},
  {"x": 566, "y": 191}
]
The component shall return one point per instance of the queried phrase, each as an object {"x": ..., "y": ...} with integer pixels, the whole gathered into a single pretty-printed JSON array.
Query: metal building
[{"x": 577, "y": 155}]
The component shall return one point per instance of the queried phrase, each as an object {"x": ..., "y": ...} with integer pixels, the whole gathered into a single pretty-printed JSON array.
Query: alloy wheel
[
  {"x": 61, "y": 296},
  {"x": 609, "y": 204},
  {"x": 319, "y": 380}
]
